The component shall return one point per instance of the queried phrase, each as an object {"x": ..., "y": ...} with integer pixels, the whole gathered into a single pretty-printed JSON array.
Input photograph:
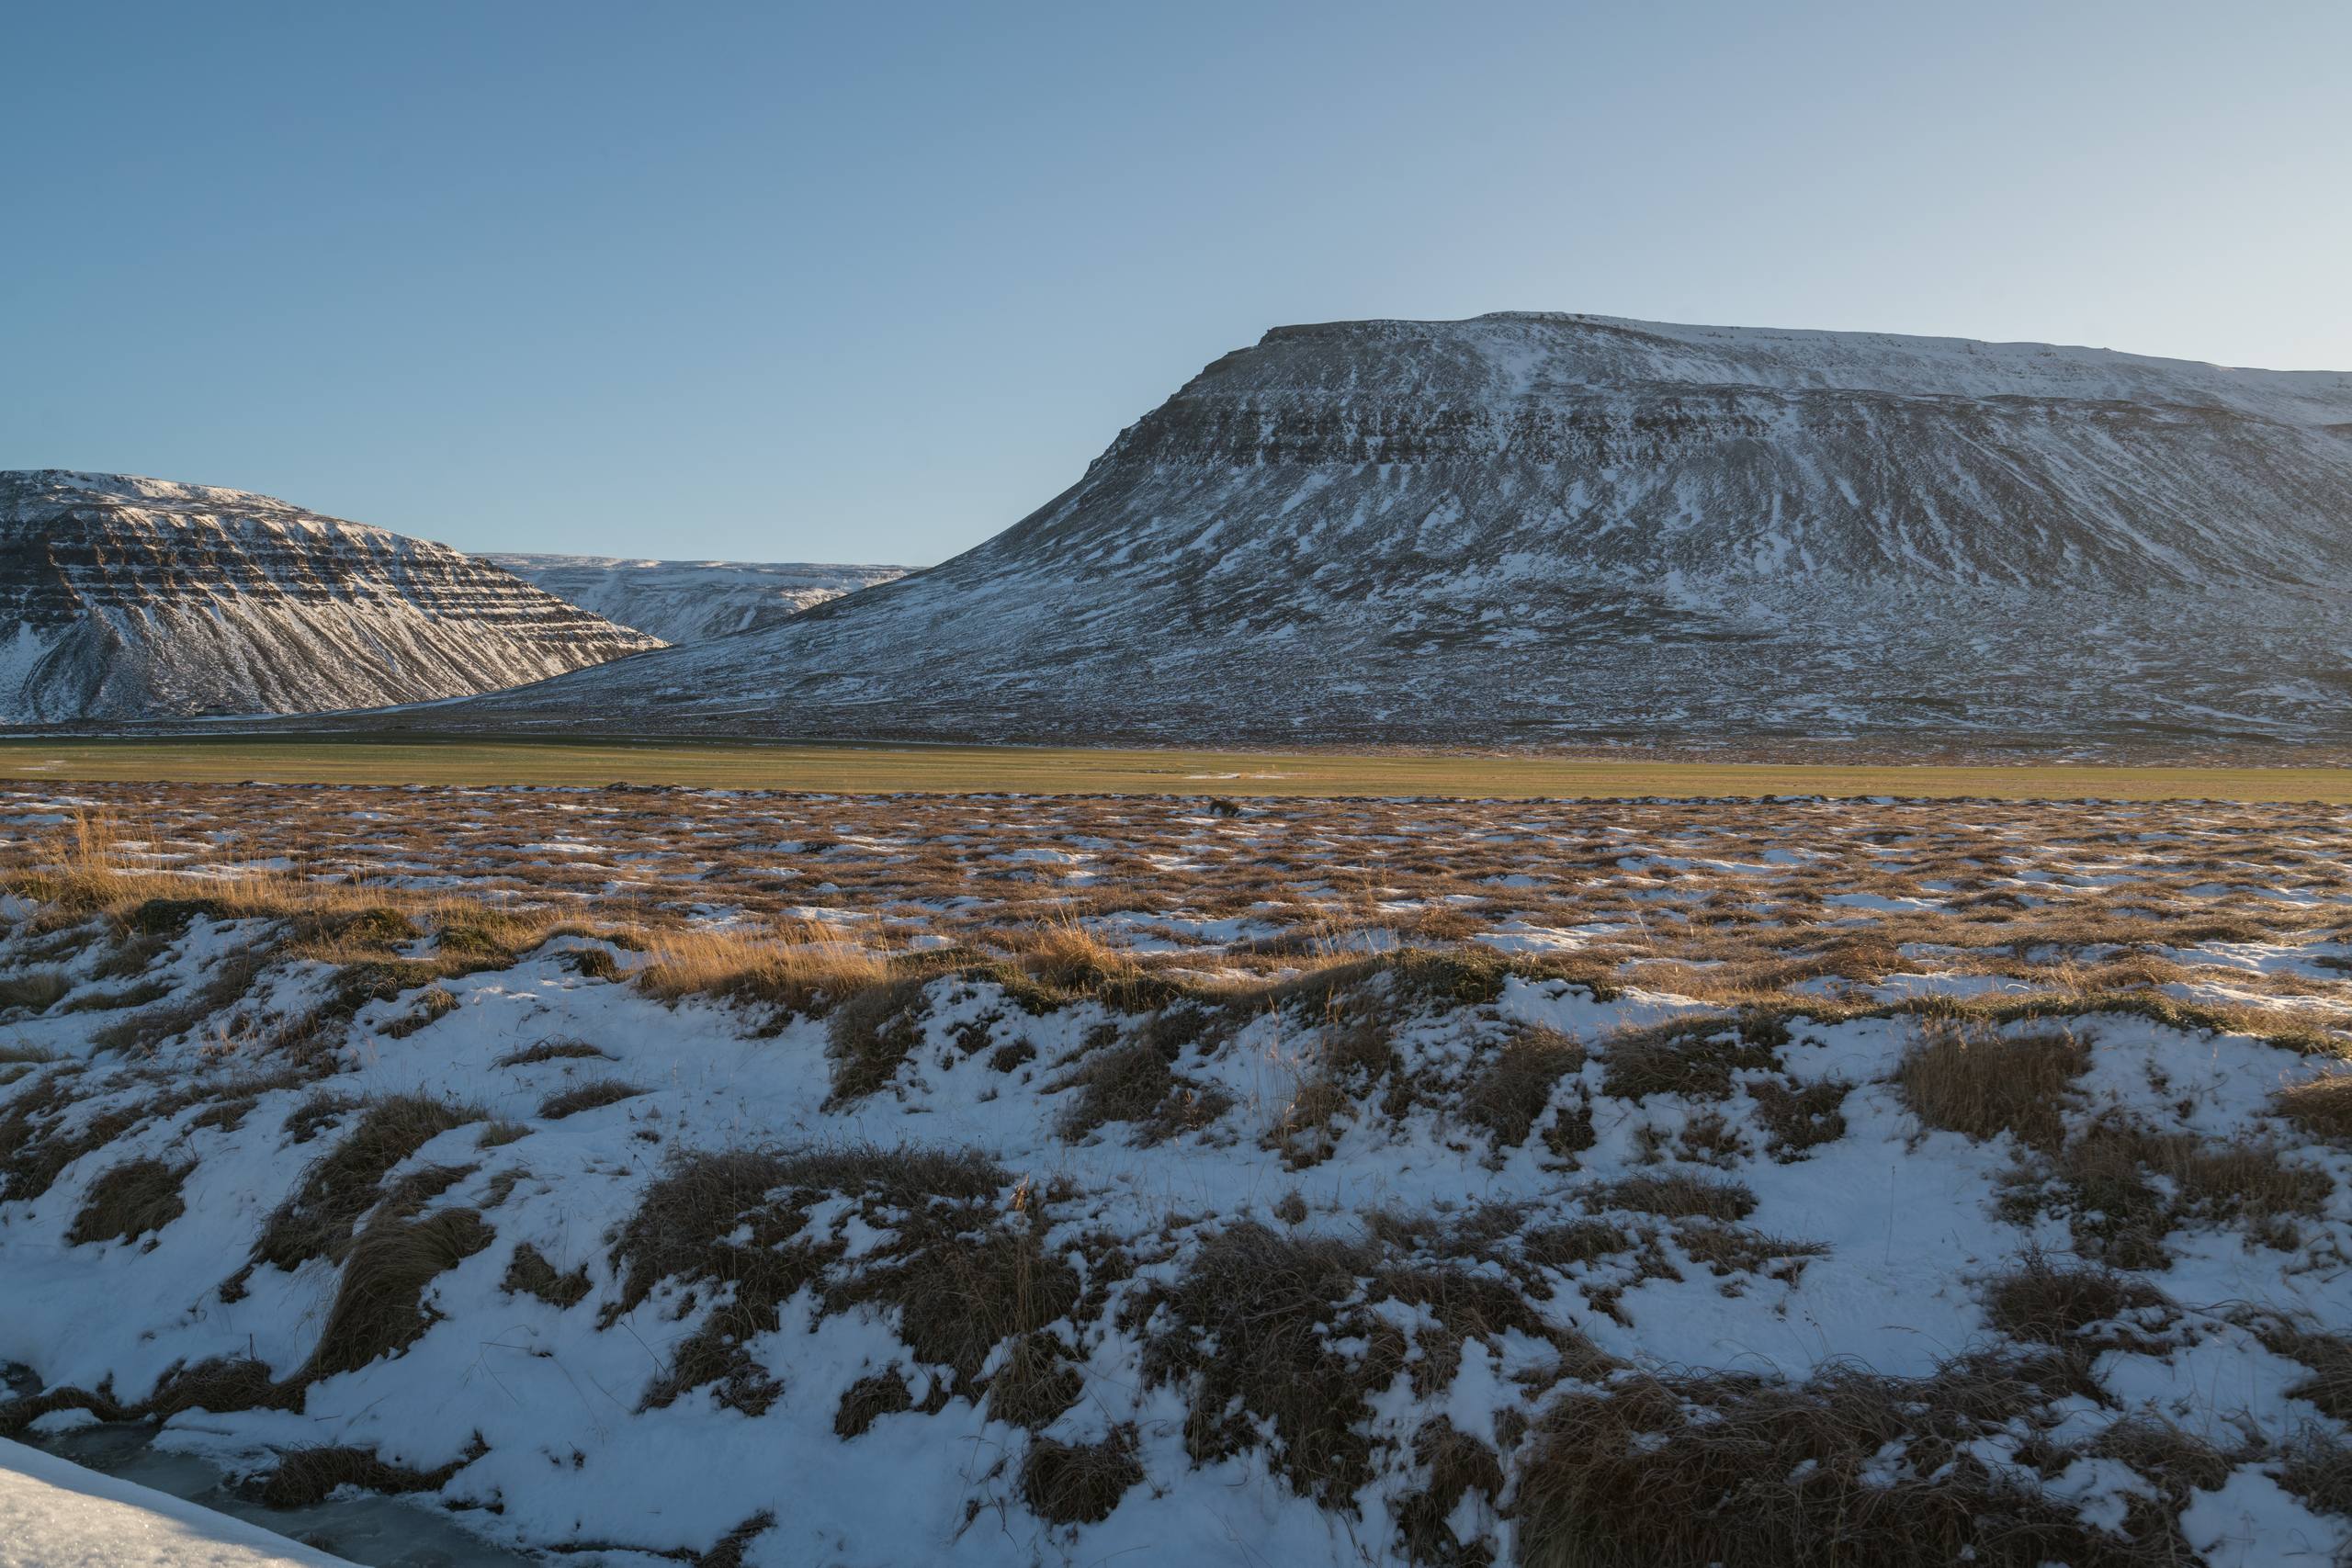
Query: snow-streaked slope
[
  {"x": 55, "y": 1514},
  {"x": 692, "y": 601},
  {"x": 136, "y": 598},
  {"x": 1537, "y": 527}
]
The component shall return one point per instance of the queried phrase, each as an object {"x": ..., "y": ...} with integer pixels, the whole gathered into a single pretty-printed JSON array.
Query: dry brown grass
[
  {"x": 553, "y": 1051},
  {"x": 962, "y": 1273},
  {"x": 1675, "y": 1197},
  {"x": 306, "y": 1477},
  {"x": 1077, "y": 1483},
  {"x": 529, "y": 1274},
  {"x": 1798, "y": 1117},
  {"x": 1982, "y": 1082},
  {"x": 797, "y": 965},
  {"x": 587, "y": 1096},
  {"x": 341, "y": 1186},
  {"x": 2321, "y": 1107},
  {"x": 1273, "y": 1334},
  {"x": 130, "y": 1201},
  {"x": 2124, "y": 1186},
  {"x": 1719, "y": 1469},
  {"x": 1692, "y": 1057},
  {"x": 2062, "y": 1304},
  {"x": 378, "y": 1309},
  {"x": 1515, "y": 1088},
  {"x": 869, "y": 1399}
]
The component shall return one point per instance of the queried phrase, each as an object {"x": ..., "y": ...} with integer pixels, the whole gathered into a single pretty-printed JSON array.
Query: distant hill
[
  {"x": 127, "y": 598},
  {"x": 1529, "y": 527},
  {"x": 692, "y": 601}
]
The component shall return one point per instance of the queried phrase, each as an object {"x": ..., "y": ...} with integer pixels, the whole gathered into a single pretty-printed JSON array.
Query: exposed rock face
[
  {"x": 692, "y": 601},
  {"x": 1571, "y": 528},
  {"x": 136, "y": 598}
]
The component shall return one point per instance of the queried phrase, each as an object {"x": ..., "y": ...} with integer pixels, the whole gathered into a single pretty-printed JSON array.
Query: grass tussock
[
  {"x": 1677, "y": 1196},
  {"x": 1696, "y": 1058},
  {"x": 1137, "y": 1083},
  {"x": 868, "y": 1400},
  {"x": 2066, "y": 1305},
  {"x": 1983, "y": 1083},
  {"x": 39, "y": 1135},
  {"x": 587, "y": 1096},
  {"x": 1515, "y": 1088},
  {"x": 2321, "y": 1107},
  {"x": 1846, "y": 1471},
  {"x": 1799, "y": 1117},
  {"x": 529, "y": 1274},
  {"x": 341, "y": 1186},
  {"x": 33, "y": 993},
  {"x": 132, "y": 1199},
  {"x": 307, "y": 1477},
  {"x": 799, "y": 967},
  {"x": 2124, "y": 1186},
  {"x": 553, "y": 1051},
  {"x": 378, "y": 1310},
  {"x": 962, "y": 1273},
  {"x": 1080, "y": 1484},
  {"x": 1274, "y": 1341}
]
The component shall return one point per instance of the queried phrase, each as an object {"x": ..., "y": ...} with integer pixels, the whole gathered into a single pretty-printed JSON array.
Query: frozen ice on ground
[{"x": 55, "y": 1514}]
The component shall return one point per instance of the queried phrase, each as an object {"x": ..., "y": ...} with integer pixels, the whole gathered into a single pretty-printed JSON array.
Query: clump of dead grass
[
  {"x": 2125, "y": 1187},
  {"x": 343, "y": 1185},
  {"x": 306, "y": 1477},
  {"x": 799, "y": 967},
  {"x": 1275, "y": 1340},
  {"x": 1676, "y": 1196},
  {"x": 378, "y": 1309},
  {"x": 1080, "y": 1484},
  {"x": 130, "y": 1201},
  {"x": 1514, "y": 1091},
  {"x": 964, "y": 1271},
  {"x": 1694, "y": 1058},
  {"x": 2320, "y": 1106},
  {"x": 1848, "y": 1470},
  {"x": 528, "y": 1273},
  {"x": 1137, "y": 1083},
  {"x": 2070, "y": 1305},
  {"x": 1982, "y": 1082},
  {"x": 587, "y": 1096}
]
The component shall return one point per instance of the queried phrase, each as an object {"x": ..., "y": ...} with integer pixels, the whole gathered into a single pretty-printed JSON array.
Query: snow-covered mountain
[
  {"x": 692, "y": 601},
  {"x": 135, "y": 598},
  {"x": 1556, "y": 527}
]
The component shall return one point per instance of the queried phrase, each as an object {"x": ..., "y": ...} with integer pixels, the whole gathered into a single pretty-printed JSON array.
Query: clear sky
[{"x": 870, "y": 282}]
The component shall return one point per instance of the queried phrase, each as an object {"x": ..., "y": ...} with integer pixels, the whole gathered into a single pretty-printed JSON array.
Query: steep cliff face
[
  {"x": 136, "y": 598},
  {"x": 692, "y": 601},
  {"x": 1544, "y": 527}
]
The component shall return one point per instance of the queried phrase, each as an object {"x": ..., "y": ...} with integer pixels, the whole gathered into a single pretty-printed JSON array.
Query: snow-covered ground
[{"x": 1002, "y": 1265}]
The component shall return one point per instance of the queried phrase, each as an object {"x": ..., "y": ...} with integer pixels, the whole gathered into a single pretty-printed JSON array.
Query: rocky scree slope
[
  {"x": 125, "y": 598},
  {"x": 692, "y": 601},
  {"x": 1557, "y": 527}
]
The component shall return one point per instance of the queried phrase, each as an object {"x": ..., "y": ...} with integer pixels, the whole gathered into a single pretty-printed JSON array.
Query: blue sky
[{"x": 871, "y": 282}]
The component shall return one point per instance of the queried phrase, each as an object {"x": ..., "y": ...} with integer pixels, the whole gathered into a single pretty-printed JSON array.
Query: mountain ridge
[
  {"x": 1561, "y": 529},
  {"x": 691, "y": 601},
  {"x": 130, "y": 598}
]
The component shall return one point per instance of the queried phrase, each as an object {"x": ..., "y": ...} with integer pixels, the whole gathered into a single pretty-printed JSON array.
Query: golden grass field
[{"x": 953, "y": 770}]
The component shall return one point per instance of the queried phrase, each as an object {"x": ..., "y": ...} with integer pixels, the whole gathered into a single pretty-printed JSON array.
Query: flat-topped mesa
[
  {"x": 124, "y": 597},
  {"x": 1579, "y": 529},
  {"x": 1640, "y": 452}
]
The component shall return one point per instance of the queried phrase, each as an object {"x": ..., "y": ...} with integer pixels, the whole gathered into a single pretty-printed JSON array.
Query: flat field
[
  {"x": 1075, "y": 770},
  {"x": 699, "y": 1174}
]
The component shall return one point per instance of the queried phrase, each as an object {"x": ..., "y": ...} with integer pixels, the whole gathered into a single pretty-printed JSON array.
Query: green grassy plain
[{"x": 1082, "y": 771}]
